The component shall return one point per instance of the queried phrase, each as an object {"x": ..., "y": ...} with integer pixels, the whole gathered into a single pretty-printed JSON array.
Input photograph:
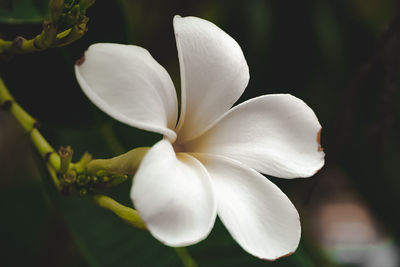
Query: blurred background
[{"x": 341, "y": 57}]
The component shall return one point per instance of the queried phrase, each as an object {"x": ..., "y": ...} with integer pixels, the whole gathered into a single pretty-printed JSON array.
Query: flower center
[{"x": 178, "y": 147}]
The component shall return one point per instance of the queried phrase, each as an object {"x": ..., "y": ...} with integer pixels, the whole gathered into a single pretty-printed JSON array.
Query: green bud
[
  {"x": 101, "y": 173},
  {"x": 67, "y": 178},
  {"x": 82, "y": 180},
  {"x": 105, "y": 179},
  {"x": 95, "y": 179},
  {"x": 70, "y": 177},
  {"x": 73, "y": 16},
  {"x": 47, "y": 37},
  {"x": 81, "y": 164},
  {"x": 83, "y": 192},
  {"x": 125, "y": 164},
  {"x": 65, "y": 154},
  {"x": 118, "y": 179},
  {"x": 75, "y": 11}
]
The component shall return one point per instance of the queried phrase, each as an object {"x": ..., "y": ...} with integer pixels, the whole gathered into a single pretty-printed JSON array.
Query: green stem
[
  {"x": 42, "y": 41},
  {"x": 18, "y": 46},
  {"x": 131, "y": 217},
  {"x": 4, "y": 94},
  {"x": 127, "y": 214},
  {"x": 54, "y": 177},
  {"x": 26, "y": 121},
  {"x": 45, "y": 150},
  {"x": 53, "y": 160},
  {"x": 185, "y": 257},
  {"x": 47, "y": 39},
  {"x": 65, "y": 154},
  {"x": 29, "y": 124}
]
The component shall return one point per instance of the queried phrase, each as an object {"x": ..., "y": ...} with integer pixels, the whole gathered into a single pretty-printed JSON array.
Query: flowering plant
[{"x": 209, "y": 160}]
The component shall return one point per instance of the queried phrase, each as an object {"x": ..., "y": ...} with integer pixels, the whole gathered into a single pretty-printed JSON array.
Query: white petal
[
  {"x": 214, "y": 73},
  {"x": 129, "y": 85},
  {"x": 174, "y": 196},
  {"x": 275, "y": 134},
  {"x": 256, "y": 212}
]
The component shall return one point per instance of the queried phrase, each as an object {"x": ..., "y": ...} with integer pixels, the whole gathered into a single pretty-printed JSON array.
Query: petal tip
[
  {"x": 291, "y": 252},
  {"x": 317, "y": 171},
  {"x": 176, "y": 20},
  {"x": 176, "y": 17},
  {"x": 322, "y": 165},
  {"x": 279, "y": 257}
]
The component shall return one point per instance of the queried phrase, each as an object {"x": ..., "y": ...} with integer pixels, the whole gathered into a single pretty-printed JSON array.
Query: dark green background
[{"x": 341, "y": 57}]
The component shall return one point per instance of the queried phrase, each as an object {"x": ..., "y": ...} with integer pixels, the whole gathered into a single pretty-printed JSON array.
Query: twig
[{"x": 66, "y": 24}]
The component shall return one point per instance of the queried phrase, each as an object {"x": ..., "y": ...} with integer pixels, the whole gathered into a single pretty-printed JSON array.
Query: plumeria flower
[{"x": 210, "y": 161}]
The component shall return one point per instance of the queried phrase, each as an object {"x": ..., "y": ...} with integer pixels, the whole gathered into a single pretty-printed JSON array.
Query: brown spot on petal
[
  {"x": 319, "y": 141},
  {"x": 320, "y": 149},
  {"x": 80, "y": 61}
]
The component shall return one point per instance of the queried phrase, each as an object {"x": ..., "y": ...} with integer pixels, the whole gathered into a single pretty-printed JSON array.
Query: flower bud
[{"x": 125, "y": 164}]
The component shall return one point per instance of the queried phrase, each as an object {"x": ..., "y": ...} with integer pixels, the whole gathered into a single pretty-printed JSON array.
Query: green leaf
[
  {"x": 23, "y": 223},
  {"x": 221, "y": 250},
  {"x": 105, "y": 240},
  {"x": 23, "y": 11},
  {"x": 31, "y": 233}
]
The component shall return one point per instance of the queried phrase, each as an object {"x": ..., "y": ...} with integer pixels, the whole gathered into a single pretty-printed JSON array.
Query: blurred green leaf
[
  {"x": 374, "y": 16},
  {"x": 221, "y": 250},
  {"x": 28, "y": 225},
  {"x": 22, "y": 224},
  {"x": 23, "y": 11},
  {"x": 105, "y": 240},
  {"x": 329, "y": 34}
]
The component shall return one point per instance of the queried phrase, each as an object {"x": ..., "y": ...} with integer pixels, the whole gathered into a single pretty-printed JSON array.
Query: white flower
[{"x": 209, "y": 162}]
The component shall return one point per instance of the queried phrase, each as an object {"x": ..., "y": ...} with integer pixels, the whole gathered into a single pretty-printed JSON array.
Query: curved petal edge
[
  {"x": 274, "y": 134},
  {"x": 259, "y": 216},
  {"x": 214, "y": 74},
  {"x": 127, "y": 83},
  {"x": 174, "y": 196}
]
